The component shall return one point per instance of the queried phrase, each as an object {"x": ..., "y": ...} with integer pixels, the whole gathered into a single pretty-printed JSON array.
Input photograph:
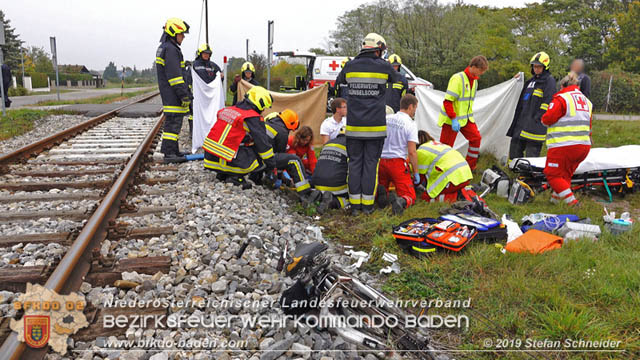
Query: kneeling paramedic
[
  {"x": 278, "y": 126},
  {"x": 175, "y": 94},
  {"x": 568, "y": 122},
  {"x": 238, "y": 143},
  {"x": 330, "y": 175},
  {"x": 456, "y": 113},
  {"x": 445, "y": 170},
  {"x": 401, "y": 141},
  {"x": 367, "y": 76}
]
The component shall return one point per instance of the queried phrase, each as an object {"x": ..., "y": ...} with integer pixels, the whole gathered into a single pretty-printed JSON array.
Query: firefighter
[
  {"x": 330, "y": 175},
  {"x": 456, "y": 113},
  {"x": 175, "y": 94},
  {"x": 248, "y": 73},
  {"x": 367, "y": 76},
  {"x": 401, "y": 141},
  {"x": 527, "y": 131},
  {"x": 278, "y": 126},
  {"x": 398, "y": 89},
  {"x": 237, "y": 143},
  {"x": 568, "y": 122},
  {"x": 444, "y": 169},
  {"x": 206, "y": 69}
]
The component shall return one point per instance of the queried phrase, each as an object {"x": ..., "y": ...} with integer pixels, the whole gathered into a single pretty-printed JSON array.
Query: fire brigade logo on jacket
[
  {"x": 36, "y": 330},
  {"x": 49, "y": 318}
]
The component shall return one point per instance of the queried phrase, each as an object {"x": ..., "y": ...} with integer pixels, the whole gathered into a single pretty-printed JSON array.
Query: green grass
[
  {"x": 586, "y": 290},
  {"x": 104, "y": 99},
  {"x": 117, "y": 85},
  {"x": 20, "y": 121}
]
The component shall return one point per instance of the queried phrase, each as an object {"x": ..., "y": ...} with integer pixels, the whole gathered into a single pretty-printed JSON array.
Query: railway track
[{"x": 67, "y": 199}]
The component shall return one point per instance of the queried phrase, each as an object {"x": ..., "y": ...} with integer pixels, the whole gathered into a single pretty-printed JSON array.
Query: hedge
[
  {"x": 19, "y": 91},
  {"x": 38, "y": 80},
  {"x": 73, "y": 77},
  {"x": 625, "y": 90}
]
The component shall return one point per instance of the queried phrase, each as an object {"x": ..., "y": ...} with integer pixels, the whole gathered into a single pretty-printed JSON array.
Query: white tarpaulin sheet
[
  {"x": 207, "y": 100},
  {"x": 622, "y": 157},
  {"x": 493, "y": 111}
]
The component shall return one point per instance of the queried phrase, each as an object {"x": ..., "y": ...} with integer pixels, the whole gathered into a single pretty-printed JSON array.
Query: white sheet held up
[
  {"x": 493, "y": 111},
  {"x": 207, "y": 100}
]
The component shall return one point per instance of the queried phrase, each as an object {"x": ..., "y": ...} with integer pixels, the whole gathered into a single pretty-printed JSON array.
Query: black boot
[
  {"x": 221, "y": 176},
  {"x": 382, "y": 197},
  {"x": 256, "y": 177},
  {"x": 174, "y": 158},
  {"x": 325, "y": 203},
  {"x": 238, "y": 181},
  {"x": 309, "y": 196},
  {"x": 398, "y": 204}
]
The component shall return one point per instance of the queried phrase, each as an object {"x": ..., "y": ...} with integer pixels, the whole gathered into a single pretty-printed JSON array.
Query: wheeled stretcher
[{"x": 614, "y": 170}]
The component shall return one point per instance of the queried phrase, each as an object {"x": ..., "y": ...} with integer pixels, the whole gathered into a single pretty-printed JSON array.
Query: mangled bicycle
[{"x": 341, "y": 303}]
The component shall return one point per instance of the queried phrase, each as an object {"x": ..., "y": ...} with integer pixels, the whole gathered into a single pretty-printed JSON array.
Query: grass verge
[
  {"x": 584, "y": 291},
  {"x": 104, "y": 99},
  {"x": 20, "y": 121}
]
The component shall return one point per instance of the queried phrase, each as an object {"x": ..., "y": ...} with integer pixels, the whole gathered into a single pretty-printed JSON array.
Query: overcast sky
[{"x": 92, "y": 32}]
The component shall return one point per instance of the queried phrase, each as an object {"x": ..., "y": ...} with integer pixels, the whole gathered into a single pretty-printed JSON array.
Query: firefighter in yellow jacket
[{"x": 238, "y": 143}]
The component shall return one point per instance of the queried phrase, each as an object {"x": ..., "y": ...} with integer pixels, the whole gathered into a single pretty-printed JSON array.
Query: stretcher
[{"x": 614, "y": 170}]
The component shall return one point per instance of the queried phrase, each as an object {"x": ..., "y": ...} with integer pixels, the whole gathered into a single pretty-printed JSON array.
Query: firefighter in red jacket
[
  {"x": 238, "y": 143},
  {"x": 174, "y": 91},
  {"x": 568, "y": 122}
]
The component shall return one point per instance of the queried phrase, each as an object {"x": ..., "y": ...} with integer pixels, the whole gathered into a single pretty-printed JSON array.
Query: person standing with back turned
[
  {"x": 367, "y": 76},
  {"x": 175, "y": 94},
  {"x": 456, "y": 113}
]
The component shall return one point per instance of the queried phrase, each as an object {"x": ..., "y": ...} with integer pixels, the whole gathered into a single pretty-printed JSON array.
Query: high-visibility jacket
[
  {"x": 396, "y": 91},
  {"x": 171, "y": 82},
  {"x": 277, "y": 132},
  {"x": 367, "y": 76},
  {"x": 534, "y": 102},
  {"x": 574, "y": 128},
  {"x": 442, "y": 165},
  {"x": 235, "y": 126},
  {"x": 461, "y": 94},
  {"x": 206, "y": 69},
  {"x": 332, "y": 166}
]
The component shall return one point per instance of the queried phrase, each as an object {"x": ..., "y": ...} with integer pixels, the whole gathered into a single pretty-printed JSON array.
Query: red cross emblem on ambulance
[{"x": 334, "y": 65}]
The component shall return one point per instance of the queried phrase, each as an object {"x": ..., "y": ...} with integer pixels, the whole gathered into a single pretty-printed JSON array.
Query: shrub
[
  {"x": 38, "y": 80},
  {"x": 19, "y": 91},
  {"x": 625, "y": 89}
]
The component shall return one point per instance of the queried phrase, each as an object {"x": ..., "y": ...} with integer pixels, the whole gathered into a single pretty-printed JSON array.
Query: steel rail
[
  {"x": 76, "y": 263},
  {"x": 43, "y": 144}
]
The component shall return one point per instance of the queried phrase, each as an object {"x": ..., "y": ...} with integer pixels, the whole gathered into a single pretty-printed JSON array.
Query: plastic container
[{"x": 570, "y": 226}]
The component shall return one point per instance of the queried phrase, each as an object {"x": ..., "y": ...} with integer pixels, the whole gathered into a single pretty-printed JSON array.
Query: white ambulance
[{"x": 321, "y": 69}]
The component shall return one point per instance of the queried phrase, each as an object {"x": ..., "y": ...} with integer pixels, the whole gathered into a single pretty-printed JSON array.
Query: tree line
[{"x": 436, "y": 40}]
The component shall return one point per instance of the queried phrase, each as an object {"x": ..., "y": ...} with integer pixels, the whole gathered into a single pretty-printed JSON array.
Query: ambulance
[{"x": 322, "y": 69}]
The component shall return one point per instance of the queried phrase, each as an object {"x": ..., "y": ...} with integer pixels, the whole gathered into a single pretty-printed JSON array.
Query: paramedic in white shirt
[
  {"x": 400, "y": 144},
  {"x": 331, "y": 126}
]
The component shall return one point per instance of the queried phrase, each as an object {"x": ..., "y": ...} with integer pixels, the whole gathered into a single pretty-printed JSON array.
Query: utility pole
[
  {"x": 269, "y": 51},
  {"x": 247, "y": 50},
  {"x": 2, "y": 89},
  {"x": 54, "y": 55},
  {"x": 206, "y": 20}
]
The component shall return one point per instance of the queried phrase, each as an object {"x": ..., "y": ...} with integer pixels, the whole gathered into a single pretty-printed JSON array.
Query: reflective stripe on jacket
[
  {"x": 574, "y": 128},
  {"x": 534, "y": 101},
  {"x": 367, "y": 76},
  {"x": 461, "y": 94},
  {"x": 332, "y": 166},
  {"x": 442, "y": 165}
]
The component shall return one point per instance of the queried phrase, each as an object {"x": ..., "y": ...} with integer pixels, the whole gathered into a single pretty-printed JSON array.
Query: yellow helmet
[
  {"x": 374, "y": 41},
  {"x": 345, "y": 61},
  {"x": 395, "y": 60},
  {"x": 260, "y": 97},
  {"x": 541, "y": 58},
  {"x": 204, "y": 48},
  {"x": 175, "y": 26},
  {"x": 247, "y": 66}
]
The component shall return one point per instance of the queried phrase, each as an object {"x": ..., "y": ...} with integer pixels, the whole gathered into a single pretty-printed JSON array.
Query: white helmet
[{"x": 374, "y": 41}]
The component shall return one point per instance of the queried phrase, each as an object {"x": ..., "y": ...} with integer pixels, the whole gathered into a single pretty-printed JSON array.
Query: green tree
[
  {"x": 111, "y": 72},
  {"x": 319, "y": 51},
  {"x": 12, "y": 46},
  {"x": 625, "y": 45},
  {"x": 587, "y": 24},
  {"x": 40, "y": 60},
  {"x": 259, "y": 61}
]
